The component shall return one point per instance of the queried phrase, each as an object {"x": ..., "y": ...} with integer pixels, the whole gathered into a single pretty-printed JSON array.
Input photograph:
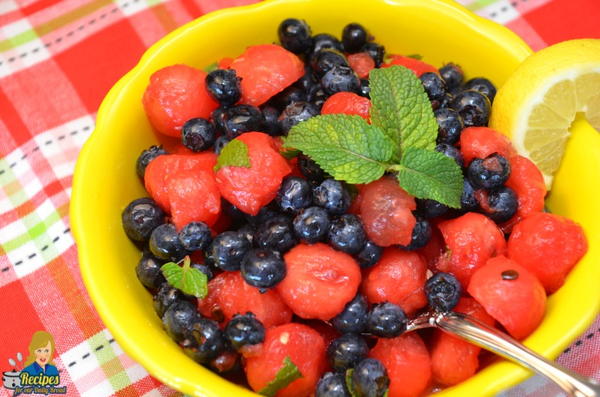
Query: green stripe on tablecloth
[
  {"x": 109, "y": 361},
  {"x": 19, "y": 39},
  {"x": 38, "y": 229}
]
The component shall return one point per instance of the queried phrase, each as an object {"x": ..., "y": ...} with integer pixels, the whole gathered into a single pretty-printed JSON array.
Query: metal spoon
[{"x": 491, "y": 339}]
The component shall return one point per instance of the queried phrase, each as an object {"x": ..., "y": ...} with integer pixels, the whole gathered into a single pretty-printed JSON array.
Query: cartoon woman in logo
[{"x": 41, "y": 350}]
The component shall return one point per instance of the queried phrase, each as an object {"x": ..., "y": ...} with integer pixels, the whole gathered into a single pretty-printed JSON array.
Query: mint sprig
[
  {"x": 187, "y": 279},
  {"x": 235, "y": 154},
  {"x": 286, "y": 375},
  {"x": 401, "y": 139}
]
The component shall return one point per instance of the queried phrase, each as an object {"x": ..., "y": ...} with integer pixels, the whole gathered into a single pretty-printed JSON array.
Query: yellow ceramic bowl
[{"x": 440, "y": 30}]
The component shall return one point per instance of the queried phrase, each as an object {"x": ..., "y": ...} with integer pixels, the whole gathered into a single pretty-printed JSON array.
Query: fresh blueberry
[
  {"x": 430, "y": 208},
  {"x": 353, "y": 319},
  {"x": 198, "y": 134},
  {"x": 347, "y": 234},
  {"x": 195, "y": 236},
  {"x": 365, "y": 89},
  {"x": 294, "y": 35},
  {"x": 218, "y": 117},
  {"x": 220, "y": 143},
  {"x": 294, "y": 194},
  {"x": 271, "y": 115},
  {"x": 263, "y": 268},
  {"x": 164, "y": 243},
  {"x": 276, "y": 233},
  {"x": 370, "y": 378},
  {"x": 434, "y": 86},
  {"x": 248, "y": 232},
  {"x": 289, "y": 95},
  {"x": 148, "y": 271},
  {"x": 483, "y": 86},
  {"x": 203, "y": 268},
  {"x": 241, "y": 118},
  {"x": 325, "y": 60},
  {"x": 311, "y": 224},
  {"x": 450, "y": 125},
  {"x": 324, "y": 41},
  {"x": 452, "y": 75},
  {"x": 468, "y": 201},
  {"x": 354, "y": 37},
  {"x": 141, "y": 217},
  {"x": 244, "y": 330},
  {"x": 333, "y": 196},
  {"x": 488, "y": 173},
  {"x": 421, "y": 235},
  {"x": 501, "y": 204},
  {"x": 443, "y": 291},
  {"x": 346, "y": 351},
  {"x": 318, "y": 96},
  {"x": 386, "y": 320},
  {"x": 227, "y": 250},
  {"x": 310, "y": 169},
  {"x": 224, "y": 86},
  {"x": 264, "y": 214},
  {"x": 307, "y": 81},
  {"x": 166, "y": 296},
  {"x": 474, "y": 108},
  {"x": 295, "y": 113},
  {"x": 340, "y": 78},
  {"x": 442, "y": 103},
  {"x": 205, "y": 342},
  {"x": 450, "y": 151},
  {"x": 146, "y": 157},
  {"x": 369, "y": 255},
  {"x": 375, "y": 51},
  {"x": 332, "y": 385},
  {"x": 178, "y": 319}
]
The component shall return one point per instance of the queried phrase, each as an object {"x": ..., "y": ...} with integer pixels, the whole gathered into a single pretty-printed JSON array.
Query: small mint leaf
[
  {"x": 286, "y": 375},
  {"x": 189, "y": 280},
  {"x": 173, "y": 273},
  {"x": 401, "y": 108},
  {"x": 234, "y": 154},
  {"x": 418, "y": 57},
  {"x": 211, "y": 67},
  {"x": 346, "y": 147},
  {"x": 431, "y": 175},
  {"x": 349, "y": 384},
  {"x": 289, "y": 153}
]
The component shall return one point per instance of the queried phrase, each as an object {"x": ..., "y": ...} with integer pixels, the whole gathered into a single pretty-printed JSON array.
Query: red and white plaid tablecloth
[{"x": 58, "y": 58}]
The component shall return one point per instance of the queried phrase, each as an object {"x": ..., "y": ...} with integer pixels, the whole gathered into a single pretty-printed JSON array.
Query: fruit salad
[{"x": 310, "y": 197}]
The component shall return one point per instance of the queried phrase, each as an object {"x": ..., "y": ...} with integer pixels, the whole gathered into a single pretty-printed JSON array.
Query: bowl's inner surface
[{"x": 106, "y": 181}]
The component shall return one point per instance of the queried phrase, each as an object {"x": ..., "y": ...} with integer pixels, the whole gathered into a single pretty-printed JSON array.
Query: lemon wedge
[{"x": 539, "y": 101}]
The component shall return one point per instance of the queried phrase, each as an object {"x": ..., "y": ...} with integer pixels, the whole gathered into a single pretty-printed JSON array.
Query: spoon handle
[{"x": 498, "y": 342}]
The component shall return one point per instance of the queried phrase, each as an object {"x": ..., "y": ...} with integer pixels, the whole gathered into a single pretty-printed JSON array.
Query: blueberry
[
  {"x": 263, "y": 268},
  {"x": 333, "y": 196},
  {"x": 370, "y": 378},
  {"x": 218, "y": 117},
  {"x": 450, "y": 151},
  {"x": 386, "y": 320},
  {"x": 141, "y": 217},
  {"x": 244, "y": 330},
  {"x": 227, "y": 250},
  {"x": 195, "y": 236},
  {"x": 294, "y": 35},
  {"x": 347, "y": 234},
  {"x": 501, "y": 204},
  {"x": 166, "y": 296},
  {"x": 198, "y": 134},
  {"x": 474, "y": 108},
  {"x": 224, "y": 86},
  {"x": 146, "y": 157},
  {"x": 468, "y": 201},
  {"x": 289, "y": 95},
  {"x": 241, "y": 118},
  {"x": 294, "y": 194},
  {"x": 220, "y": 143},
  {"x": 307, "y": 81},
  {"x": 488, "y": 173},
  {"x": 325, "y": 60},
  {"x": 205, "y": 341},
  {"x": 369, "y": 255},
  {"x": 148, "y": 271},
  {"x": 450, "y": 125},
  {"x": 272, "y": 126},
  {"x": 164, "y": 243},
  {"x": 434, "y": 86},
  {"x": 318, "y": 96},
  {"x": 324, "y": 41},
  {"x": 354, "y": 37},
  {"x": 483, "y": 86},
  {"x": 442, "y": 103},
  {"x": 345, "y": 351},
  {"x": 310, "y": 169},
  {"x": 276, "y": 233},
  {"x": 452, "y": 75},
  {"x": 353, "y": 319},
  {"x": 430, "y": 208},
  {"x": 248, "y": 232},
  {"x": 311, "y": 224},
  {"x": 375, "y": 51},
  {"x": 442, "y": 291},
  {"x": 340, "y": 78},
  {"x": 295, "y": 113},
  {"x": 332, "y": 385},
  {"x": 264, "y": 214},
  {"x": 365, "y": 89},
  {"x": 203, "y": 268},
  {"x": 178, "y": 319},
  {"x": 421, "y": 235}
]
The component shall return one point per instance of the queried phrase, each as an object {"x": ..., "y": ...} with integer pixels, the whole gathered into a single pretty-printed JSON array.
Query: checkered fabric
[{"x": 58, "y": 58}]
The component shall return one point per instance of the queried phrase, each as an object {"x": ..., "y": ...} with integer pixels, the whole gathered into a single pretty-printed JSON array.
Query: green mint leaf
[
  {"x": 415, "y": 56},
  {"x": 234, "y": 154},
  {"x": 431, "y": 175},
  {"x": 289, "y": 153},
  {"x": 189, "y": 280},
  {"x": 286, "y": 375},
  {"x": 401, "y": 108},
  {"x": 346, "y": 147},
  {"x": 349, "y": 384},
  {"x": 211, "y": 67}
]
